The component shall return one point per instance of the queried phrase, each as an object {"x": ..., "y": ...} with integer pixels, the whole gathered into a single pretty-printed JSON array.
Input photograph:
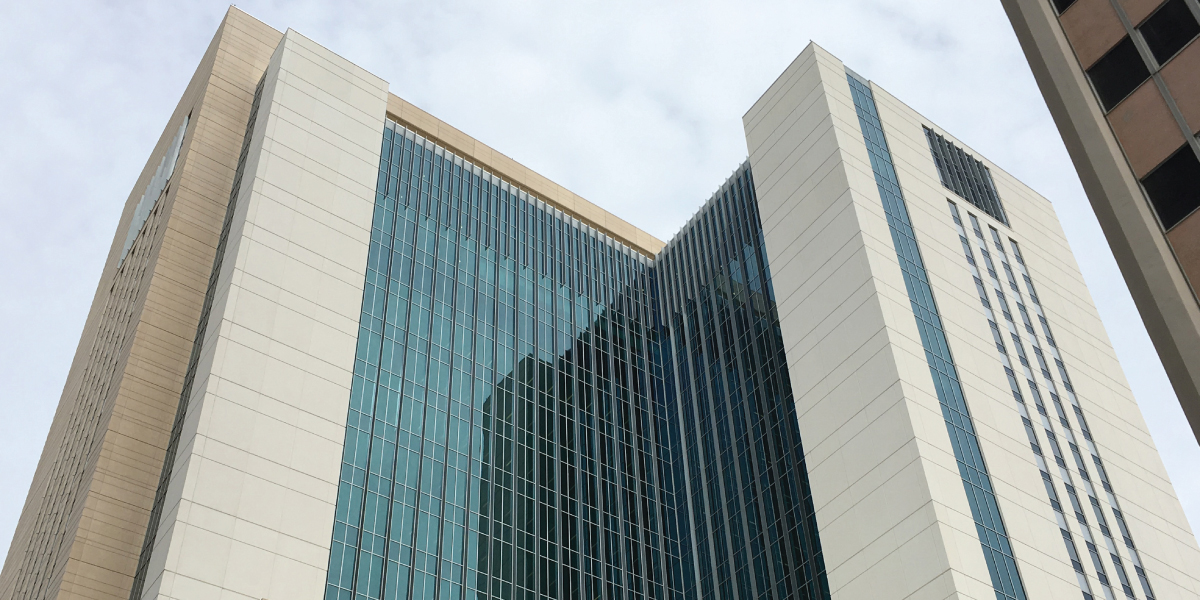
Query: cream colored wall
[
  {"x": 885, "y": 483},
  {"x": 1032, "y": 528},
  {"x": 250, "y": 508},
  {"x": 1159, "y": 527},
  {"x": 890, "y": 507},
  {"x": 92, "y": 549}
]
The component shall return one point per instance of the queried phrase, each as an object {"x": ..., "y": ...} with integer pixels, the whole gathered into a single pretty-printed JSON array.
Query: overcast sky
[{"x": 634, "y": 105}]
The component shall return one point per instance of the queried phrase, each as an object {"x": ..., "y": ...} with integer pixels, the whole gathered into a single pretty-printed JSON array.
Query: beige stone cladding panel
[
  {"x": 130, "y": 461},
  {"x": 1164, "y": 539},
  {"x": 132, "y": 457},
  {"x": 1028, "y": 517},
  {"x": 890, "y": 507},
  {"x": 1093, "y": 28},
  {"x": 250, "y": 508},
  {"x": 1159, "y": 526},
  {"x": 105, "y": 523},
  {"x": 1146, "y": 128},
  {"x": 1167, "y": 307},
  {"x": 1138, "y": 10}
]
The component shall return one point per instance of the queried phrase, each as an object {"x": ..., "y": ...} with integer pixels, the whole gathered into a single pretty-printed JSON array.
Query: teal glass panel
[
  {"x": 747, "y": 492},
  {"x": 503, "y": 432}
]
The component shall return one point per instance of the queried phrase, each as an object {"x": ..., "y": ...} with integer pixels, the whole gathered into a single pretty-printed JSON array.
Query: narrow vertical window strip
[
  {"x": 1022, "y": 409},
  {"x": 1093, "y": 451},
  {"x": 993, "y": 537},
  {"x": 1067, "y": 431}
]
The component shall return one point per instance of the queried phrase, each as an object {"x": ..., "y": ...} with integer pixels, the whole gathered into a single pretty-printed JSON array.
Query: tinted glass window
[
  {"x": 1061, "y": 5},
  {"x": 1169, "y": 30},
  {"x": 1174, "y": 187},
  {"x": 1118, "y": 73}
]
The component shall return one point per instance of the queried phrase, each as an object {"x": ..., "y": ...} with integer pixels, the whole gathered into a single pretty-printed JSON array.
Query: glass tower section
[
  {"x": 539, "y": 412},
  {"x": 503, "y": 436},
  {"x": 746, "y": 506},
  {"x": 997, "y": 551}
]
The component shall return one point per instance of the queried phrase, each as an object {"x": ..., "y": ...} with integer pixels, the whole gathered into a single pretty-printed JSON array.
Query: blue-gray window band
[{"x": 993, "y": 538}]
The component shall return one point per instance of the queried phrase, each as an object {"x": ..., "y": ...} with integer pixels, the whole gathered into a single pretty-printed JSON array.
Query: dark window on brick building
[
  {"x": 1169, "y": 29},
  {"x": 1119, "y": 73},
  {"x": 1174, "y": 187},
  {"x": 1062, "y": 5}
]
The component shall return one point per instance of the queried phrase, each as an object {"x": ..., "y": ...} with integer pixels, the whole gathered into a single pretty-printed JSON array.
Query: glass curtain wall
[
  {"x": 503, "y": 440},
  {"x": 746, "y": 507},
  {"x": 539, "y": 412}
]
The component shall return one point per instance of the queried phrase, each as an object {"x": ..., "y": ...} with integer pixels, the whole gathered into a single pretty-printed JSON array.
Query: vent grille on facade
[{"x": 964, "y": 175}]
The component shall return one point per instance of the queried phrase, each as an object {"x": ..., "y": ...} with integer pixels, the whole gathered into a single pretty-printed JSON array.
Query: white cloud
[{"x": 634, "y": 105}]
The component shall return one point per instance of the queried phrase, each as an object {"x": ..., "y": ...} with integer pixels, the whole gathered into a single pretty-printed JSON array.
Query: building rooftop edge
[
  {"x": 520, "y": 176},
  {"x": 509, "y": 170}
]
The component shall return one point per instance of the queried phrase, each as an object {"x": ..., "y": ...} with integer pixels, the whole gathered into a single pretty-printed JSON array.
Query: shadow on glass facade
[
  {"x": 745, "y": 502},
  {"x": 525, "y": 424}
]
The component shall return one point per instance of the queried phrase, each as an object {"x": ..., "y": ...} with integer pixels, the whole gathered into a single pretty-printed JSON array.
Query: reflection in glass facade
[
  {"x": 997, "y": 551},
  {"x": 524, "y": 422}
]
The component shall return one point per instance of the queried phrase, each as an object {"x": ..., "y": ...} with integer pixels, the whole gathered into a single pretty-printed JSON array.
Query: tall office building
[
  {"x": 342, "y": 350},
  {"x": 1122, "y": 80}
]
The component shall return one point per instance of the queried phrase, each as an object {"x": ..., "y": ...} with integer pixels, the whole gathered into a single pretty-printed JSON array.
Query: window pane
[
  {"x": 1062, "y": 5},
  {"x": 1174, "y": 187},
  {"x": 1118, "y": 73},
  {"x": 1169, "y": 29}
]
